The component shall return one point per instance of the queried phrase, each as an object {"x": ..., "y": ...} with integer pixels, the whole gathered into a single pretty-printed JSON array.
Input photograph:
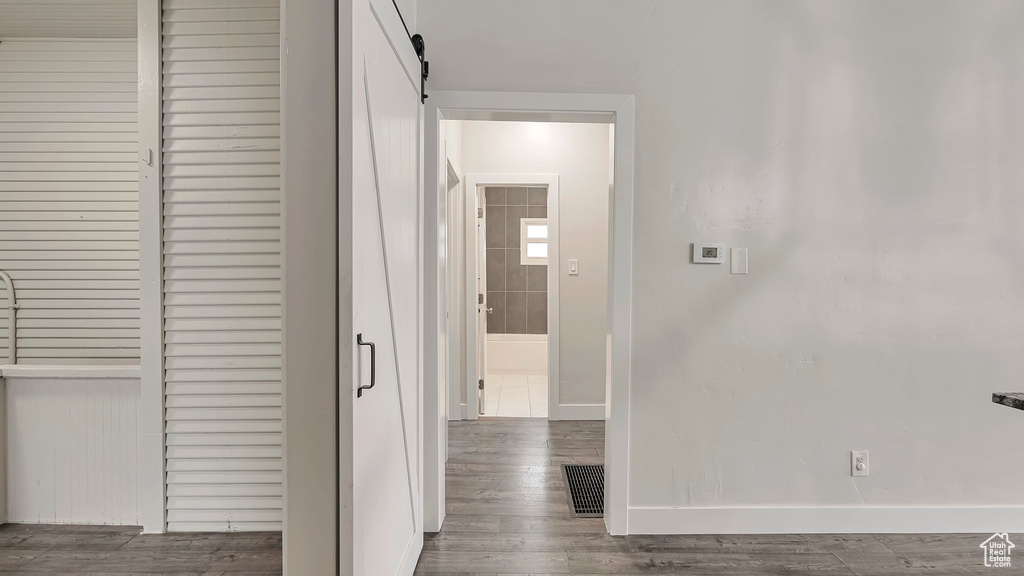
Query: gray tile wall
[{"x": 518, "y": 294}]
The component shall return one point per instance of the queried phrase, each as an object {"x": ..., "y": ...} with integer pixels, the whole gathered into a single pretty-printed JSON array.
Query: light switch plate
[
  {"x": 739, "y": 261},
  {"x": 574, "y": 267}
]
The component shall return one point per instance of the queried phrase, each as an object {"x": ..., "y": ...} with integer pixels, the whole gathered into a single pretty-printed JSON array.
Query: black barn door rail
[{"x": 421, "y": 52}]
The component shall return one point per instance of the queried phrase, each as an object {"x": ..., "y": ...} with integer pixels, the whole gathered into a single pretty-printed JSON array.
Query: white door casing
[
  {"x": 619, "y": 110},
  {"x": 475, "y": 327},
  {"x": 385, "y": 518},
  {"x": 478, "y": 399}
]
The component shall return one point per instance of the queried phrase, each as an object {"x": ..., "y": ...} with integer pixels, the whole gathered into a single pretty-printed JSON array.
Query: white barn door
[{"x": 387, "y": 533}]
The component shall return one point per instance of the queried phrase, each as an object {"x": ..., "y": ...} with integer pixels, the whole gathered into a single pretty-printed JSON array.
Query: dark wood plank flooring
[
  {"x": 121, "y": 550},
  {"x": 507, "y": 514}
]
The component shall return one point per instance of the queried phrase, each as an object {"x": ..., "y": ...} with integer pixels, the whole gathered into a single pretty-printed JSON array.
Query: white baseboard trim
[
  {"x": 577, "y": 412},
  {"x": 982, "y": 520}
]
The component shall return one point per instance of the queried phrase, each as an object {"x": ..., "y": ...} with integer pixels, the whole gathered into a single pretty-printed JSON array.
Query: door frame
[
  {"x": 550, "y": 181},
  {"x": 615, "y": 109},
  {"x": 454, "y": 248}
]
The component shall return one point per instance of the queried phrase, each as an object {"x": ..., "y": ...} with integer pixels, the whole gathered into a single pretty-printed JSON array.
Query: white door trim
[
  {"x": 473, "y": 182},
  {"x": 309, "y": 287},
  {"x": 453, "y": 327},
  {"x": 152, "y": 510},
  {"x": 617, "y": 109}
]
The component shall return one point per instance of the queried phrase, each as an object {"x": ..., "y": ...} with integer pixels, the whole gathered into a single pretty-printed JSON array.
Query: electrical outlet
[{"x": 859, "y": 463}]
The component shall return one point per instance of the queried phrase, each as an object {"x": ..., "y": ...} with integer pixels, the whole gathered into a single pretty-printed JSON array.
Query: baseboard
[
  {"x": 577, "y": 412},
  {"x": 982, "y": 520}
]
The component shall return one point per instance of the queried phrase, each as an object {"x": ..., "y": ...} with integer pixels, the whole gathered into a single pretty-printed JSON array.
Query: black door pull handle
[{"x": 373, "y": 365}]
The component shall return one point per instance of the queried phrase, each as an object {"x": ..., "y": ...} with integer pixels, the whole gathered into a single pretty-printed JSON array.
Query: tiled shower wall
[{"x": 517, "y": 293}]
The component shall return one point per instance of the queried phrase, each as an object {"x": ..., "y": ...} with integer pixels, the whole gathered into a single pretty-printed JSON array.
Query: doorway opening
[
  {"x": 513, "y": 238},
  {"x": 505, "y": 148}
]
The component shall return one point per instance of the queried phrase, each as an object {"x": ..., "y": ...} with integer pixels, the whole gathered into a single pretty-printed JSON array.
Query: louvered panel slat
[
  {"x": 64, "y": 53},
  {"x": 214, "y": 301},
  {"x": 235, "y": 526},
  {"x": 213, "y": 427},
  {"x": 69, "y": 198},
  {"x": 78, "y": 361},
  {"x": 206, "y": 144},
  {"x": 223, "y": 388},
  {"x": 221, "y": 202},
  {"x": 222, "y": 362},
  {"x": 222, "y": 28},
  {"x": 69, "y": 19},
  {"x": 93, "y": 316},
  {"x": 222, "y": 257},
  {"x": 66, "y": 264},
  {"x": 49, "y": 235},
  {"x": 223, "y": 400},
  {"x": 78, "y": 328},
  {"x": 197, "y": 324},
  {"x": 193, "y": 351},
  {"x": 64, "y": 66},
  {"x": 207, "y": 503},
  {"x": 227, "y": 375},
  {"x": 221, "y": 490},
  {"x": 224, "y": 440}
]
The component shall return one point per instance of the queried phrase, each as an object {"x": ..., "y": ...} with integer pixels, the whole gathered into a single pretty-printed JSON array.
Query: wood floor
[
  {"x": 507, "y": 514},
  {"x": 66, "y": 550}
]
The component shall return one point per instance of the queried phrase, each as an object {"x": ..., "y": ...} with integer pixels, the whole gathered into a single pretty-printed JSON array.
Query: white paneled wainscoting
[{"x": 72, "y": 447}]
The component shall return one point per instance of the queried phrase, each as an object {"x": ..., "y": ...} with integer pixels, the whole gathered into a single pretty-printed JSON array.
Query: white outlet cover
[{"x": 858, "y": 458}]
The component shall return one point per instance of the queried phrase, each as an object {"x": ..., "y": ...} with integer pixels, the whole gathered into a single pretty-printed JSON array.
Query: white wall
[
  {"x": 72, "y": 450},
  {"x": 309, "y": 270},
  {"x": 525, "y": 354},
  {"x": 69, "y": 211},
  {"x": 578, "y": 153},
  {"x": 864, "y": 153}
]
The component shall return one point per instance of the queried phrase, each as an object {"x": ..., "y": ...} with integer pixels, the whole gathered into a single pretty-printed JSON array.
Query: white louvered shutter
[{"x": 222, "y": 257}]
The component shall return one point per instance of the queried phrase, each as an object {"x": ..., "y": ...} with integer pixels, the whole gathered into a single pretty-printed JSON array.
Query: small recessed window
[
  {"x": 533, "y": 241},
  {"x": 537, "y": 231}
]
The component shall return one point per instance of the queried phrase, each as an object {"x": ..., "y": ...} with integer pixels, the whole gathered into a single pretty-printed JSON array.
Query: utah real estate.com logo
[{"x": 997, "y": 550}]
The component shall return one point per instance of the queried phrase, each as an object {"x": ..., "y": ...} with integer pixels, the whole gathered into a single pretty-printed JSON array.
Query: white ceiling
[{"x": 68, "y": 19}]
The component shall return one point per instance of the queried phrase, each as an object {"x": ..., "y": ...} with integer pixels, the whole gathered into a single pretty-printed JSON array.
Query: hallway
[{"x": 507, "y": 514}]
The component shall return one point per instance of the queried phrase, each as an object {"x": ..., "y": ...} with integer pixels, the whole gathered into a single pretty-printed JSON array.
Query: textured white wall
[
  {"x": 866, "y": 153},
  {"x": 578, "y": 153}
]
